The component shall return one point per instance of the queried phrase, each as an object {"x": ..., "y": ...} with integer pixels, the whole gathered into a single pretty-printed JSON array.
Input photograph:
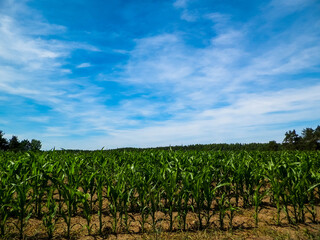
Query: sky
[{"x": 93, "y": 74}]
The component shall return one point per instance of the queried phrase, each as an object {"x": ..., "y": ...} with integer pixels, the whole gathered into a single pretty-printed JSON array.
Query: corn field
[{"x": 153, "y": 187}]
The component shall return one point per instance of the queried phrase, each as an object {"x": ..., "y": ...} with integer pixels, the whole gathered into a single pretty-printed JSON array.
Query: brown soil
[{"x": 243, "y": 227}]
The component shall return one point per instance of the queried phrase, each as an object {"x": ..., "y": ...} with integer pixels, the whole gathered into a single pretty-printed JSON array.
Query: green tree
[
  {"x": 25, "y": 145},
  {"x": 3, "y": 141},
  {"x": 317, "y": 137},
  {"x": 14, "y": 144},
  {"x": 292, "y": 140},
  {"x": 35, "y": 145},
  {"x": 273, "y": 146},
  {"x": 309, "y": 140}
]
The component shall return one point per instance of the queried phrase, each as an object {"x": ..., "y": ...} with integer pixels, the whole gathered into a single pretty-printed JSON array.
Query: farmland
[{"x": 66, "y": 195}]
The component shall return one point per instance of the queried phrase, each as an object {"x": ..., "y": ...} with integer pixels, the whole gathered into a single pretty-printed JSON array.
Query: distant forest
[
  {"x": 15, "y": 145},
  {"x": 308, "y": 140}
]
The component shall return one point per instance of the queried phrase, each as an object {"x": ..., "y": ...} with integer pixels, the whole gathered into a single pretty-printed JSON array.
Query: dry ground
[{"x": 243, "y": 228}]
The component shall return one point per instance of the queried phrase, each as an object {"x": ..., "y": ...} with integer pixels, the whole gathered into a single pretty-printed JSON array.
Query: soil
[{"x": 243, "y": 227}]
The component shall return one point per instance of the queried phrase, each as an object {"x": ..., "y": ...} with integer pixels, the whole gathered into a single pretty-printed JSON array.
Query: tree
[
  {"x": 14, "y": 144},
  {"x": 317, "y": 137},
  {"x": 273, "y": 146},
  {"x": 309, "y": 139},
  {"x": 291, "y": 140},
  {"x": 35, "y": 145},
  {"x": 3, "y": 142},
  {"x": 25, "y": 145}
]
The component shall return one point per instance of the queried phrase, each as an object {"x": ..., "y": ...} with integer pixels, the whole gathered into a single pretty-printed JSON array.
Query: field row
[{"x": 153, "y": 187}]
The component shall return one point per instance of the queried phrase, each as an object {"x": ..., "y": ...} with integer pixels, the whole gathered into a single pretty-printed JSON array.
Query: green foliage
[
  {"x": 3, "y": 142},
  {"x": 16, "y": 146},
  {"x": 121, "y": 184},
  {"x": 309, "y": 139},
  {"x": 35, "y": 145}
]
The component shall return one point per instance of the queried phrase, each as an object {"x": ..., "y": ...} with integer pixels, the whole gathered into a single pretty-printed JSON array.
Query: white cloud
[
  {"x": 230, "y": 37},
  {"x": 279, "y": 9},
  {"x": 246, "y": 120},
  {"x": 32, "y": 68},
  {"x": 23, "y": 50},
  {"x": 220, "y": 21},
  {"x": 180, "y": 3},
  {"x": 39, "y": 119},
  {"x": 189, "y": 16},
  {"x": 178, "y": 93},
  {"x": 28, "y": 60},
  {"x": 287, "y": 7},
  {"x": 84, "y": 65},
  {"x": 207, "y": 86}
]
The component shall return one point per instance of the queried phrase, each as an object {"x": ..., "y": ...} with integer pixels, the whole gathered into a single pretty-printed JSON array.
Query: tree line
[
  {"x": 15, "y": 145},
  {"x": 309, "y": 140}
]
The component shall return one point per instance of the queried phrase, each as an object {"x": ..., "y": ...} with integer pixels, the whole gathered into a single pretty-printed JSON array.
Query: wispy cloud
[
  {"x": 41, "y": 119},
  {"x": 238, "y": 122},
  {"x": 240, "y": 81},
  {"x": 180, "y": 3},
  {"x": 278, "y": 8},
  {"x": 33, "y": 67},
  {"x": 84, "y": 65},
  {"x": 207, "y": 86}
]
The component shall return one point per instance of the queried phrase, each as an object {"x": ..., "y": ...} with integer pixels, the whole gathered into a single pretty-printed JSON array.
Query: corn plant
[
  {"x": 55, "y": 184},
  {"x": 258, "y": 196},
  {"x": 39, "y": 181},
  {"x": 87, "y": 182},
  {"x": 170, "y": 189},
  {"x": 115, "y": 189},
  {"x": 312, "y": 209},
  {"x": 50, "y": 217},
  {"x": 126, "y": 196},
  {"x": 275, "y": 178},
  {"x": 100, "y": 184},
  {"x": 223, "y": 208},
  {"x": 198, "y": 196},
  {"x": 183, "y": 198},
  {"x": 71, "y": 197},
  {"x": 22, "y": 206},
  {"x": 143, "y": 186},
  {"x": 87, "y": 211},
  {"x": 6, "y": 194}
]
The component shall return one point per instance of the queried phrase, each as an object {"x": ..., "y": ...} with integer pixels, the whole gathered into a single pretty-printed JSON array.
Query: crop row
[{"x": 60, "y": 184}]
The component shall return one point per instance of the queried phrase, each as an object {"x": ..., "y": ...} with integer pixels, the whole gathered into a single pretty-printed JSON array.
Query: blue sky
[{"x": 87, "y": 74}]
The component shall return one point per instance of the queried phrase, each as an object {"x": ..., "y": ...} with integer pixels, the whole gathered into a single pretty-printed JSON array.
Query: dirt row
[{"x": 243, "y": 227}]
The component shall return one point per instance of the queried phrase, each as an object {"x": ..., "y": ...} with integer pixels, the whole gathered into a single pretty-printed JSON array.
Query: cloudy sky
[{"x": 87, "y": 74}]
